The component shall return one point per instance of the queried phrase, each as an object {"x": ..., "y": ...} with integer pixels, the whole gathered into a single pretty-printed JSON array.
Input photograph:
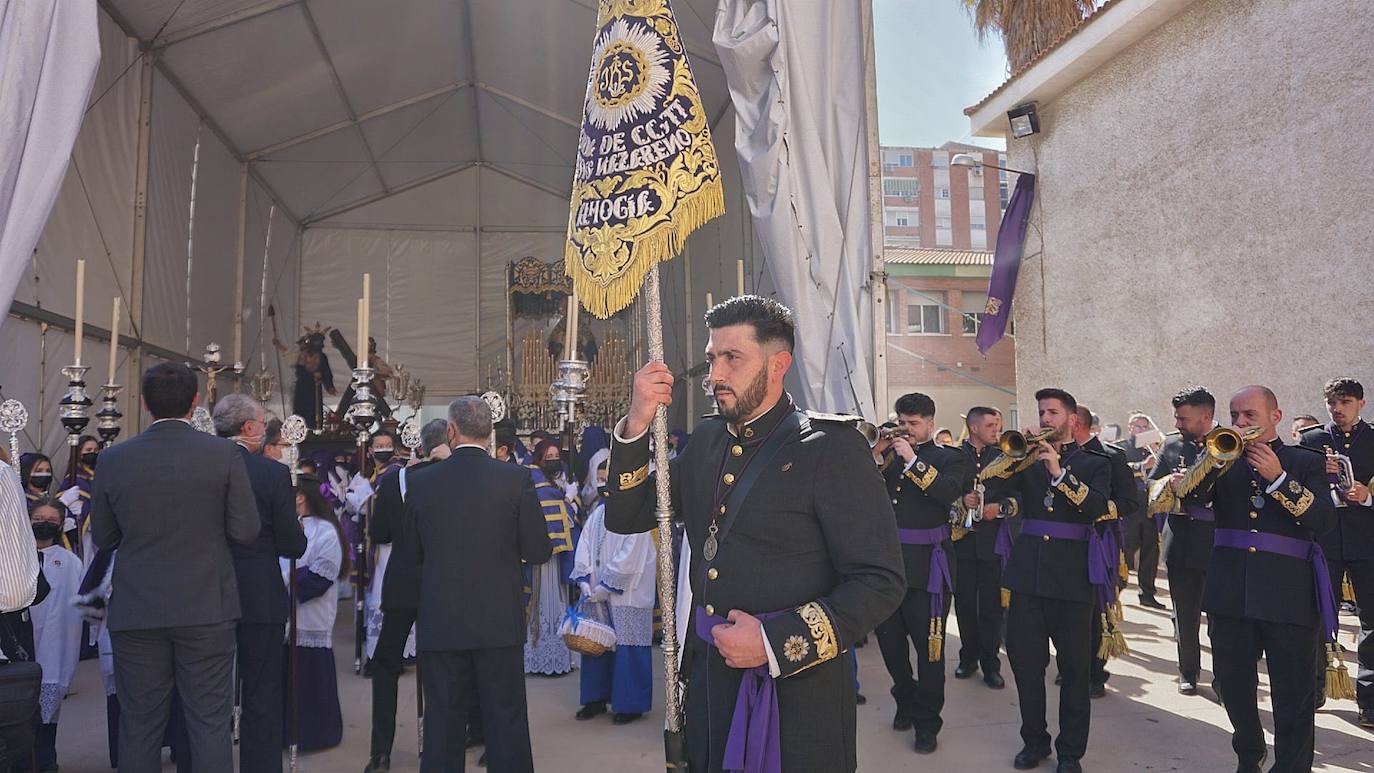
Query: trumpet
[
  {"x": 1220, "y": 449},
  {"x": 1345, "y": 474},
  {"x": 875, "y": 434},
  {"x": 1017, "y": 445}
]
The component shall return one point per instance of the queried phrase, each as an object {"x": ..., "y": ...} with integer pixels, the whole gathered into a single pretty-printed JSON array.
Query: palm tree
[{"x": 1027, "y": 27}]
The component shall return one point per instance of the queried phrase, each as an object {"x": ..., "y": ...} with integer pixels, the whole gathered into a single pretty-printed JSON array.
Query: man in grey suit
[
  {"x": 470, "y": 521},
  {"x": 170, "y": 501}
]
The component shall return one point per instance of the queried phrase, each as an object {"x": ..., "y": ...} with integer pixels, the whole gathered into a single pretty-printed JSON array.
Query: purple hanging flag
[{"x": 1006, "y": 261}]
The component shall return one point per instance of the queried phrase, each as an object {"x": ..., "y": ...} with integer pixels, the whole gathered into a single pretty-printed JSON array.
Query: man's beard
[{"x": 747, "y": 403}]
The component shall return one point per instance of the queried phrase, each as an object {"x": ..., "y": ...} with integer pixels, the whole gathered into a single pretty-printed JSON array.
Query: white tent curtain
[
  {"x": 801, "y": 139},
  {"x": 49, "y": 53}
]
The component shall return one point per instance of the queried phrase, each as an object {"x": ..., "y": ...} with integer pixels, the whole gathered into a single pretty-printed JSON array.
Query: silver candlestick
[
  {"x": 74, "y": 405},
  {"x": 410, "y": 434},
  {"x": 14, "y": 417},
  {"x": 107, "y": 418},
  {"x": 567, "y": 390},
  {"x": 294, "y": 432},
  {"x": 362, "y": 413}
]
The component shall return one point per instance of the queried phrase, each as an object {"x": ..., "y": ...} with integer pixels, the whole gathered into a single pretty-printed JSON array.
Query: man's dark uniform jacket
[
  {"x": 262, "y": 593},
  {"x": 1259, "y": 585},
  {"x": 1057, "y": 568},
  {"x": 401, "y": 584},
  {"x": 1352, "y": 535},
  {"x": 1122, "y": 500},
  {"x": 815, "y": 539},
  {"x": 921, "y": 498},
  {"x": 1189, "y": 541},
  {"x": 996, "y": 492}
]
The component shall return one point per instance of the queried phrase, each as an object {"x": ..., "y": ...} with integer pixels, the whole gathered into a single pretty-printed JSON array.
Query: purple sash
[
  {"x": 1301, "y": 549},
  {"x": 1103, "y": 551},
  {"x": 1199, "y": 513},
  {"x": 754, "y": 744},
  {"x": 939, "y": 580},
  {"x": 1002, "y": 547}
]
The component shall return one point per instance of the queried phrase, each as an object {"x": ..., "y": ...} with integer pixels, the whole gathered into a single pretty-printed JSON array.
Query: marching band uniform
[
  {"x": 981, "y": 556},
  {"x": 1055, "y": 565},
  {"x": 809, "y": 547},
  {"x": 1141, "y": 531},
  {"x": 922, "y": 492},
  {"x": 1349, "y": 547},
  {"x": 1187, "y": 550},
  {"x": 1266, "y": 593}
]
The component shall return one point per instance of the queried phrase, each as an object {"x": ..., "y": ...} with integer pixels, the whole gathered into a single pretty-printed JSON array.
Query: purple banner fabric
[
  {"x": 939, "y": 580},
  {"x": 754, "y": 744},
  {"x": 1301, "y": 549},
  {"x": 1006, "y": 261}
]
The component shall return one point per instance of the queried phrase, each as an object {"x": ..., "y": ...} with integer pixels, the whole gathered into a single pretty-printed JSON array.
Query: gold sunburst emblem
[{"x": 795, "y": 648}]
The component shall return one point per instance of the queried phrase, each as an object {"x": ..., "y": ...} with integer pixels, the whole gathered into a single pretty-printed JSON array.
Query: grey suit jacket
[{"x": 171, "y": 500}]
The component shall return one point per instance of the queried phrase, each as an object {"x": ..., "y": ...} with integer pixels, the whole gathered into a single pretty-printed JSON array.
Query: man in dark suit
[
  {"x": 1062, "y": 493},
  {"x": 171, "y": 500},
  {"x": 480, "y": 518},
  {"x": 400, "y": 594},
  {"x": 262, "y": 594},
  {"x": 1264, "y": 589},
  {"x": 924, "y": 479},
  {"x": 785, "y": 575}
]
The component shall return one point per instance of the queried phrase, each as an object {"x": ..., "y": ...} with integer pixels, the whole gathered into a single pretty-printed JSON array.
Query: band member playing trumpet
[
  {"x": 1141, "y": 529},
  {"x": 1349, "y": 547},
  {"x": 1055, "y": 572},
  {"x": 981, "y": 554},
  {"x": 1188, "y": 542},
  {"x": 923, "y": 479},
  {"x": 1267, "y": 591}
]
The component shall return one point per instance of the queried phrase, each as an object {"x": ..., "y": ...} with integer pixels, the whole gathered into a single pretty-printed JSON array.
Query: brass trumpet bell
[
  {"x": 1224, "y": 444},
  {"x": 1017, "y": 445},
  {"x": 875, "y": 434}
]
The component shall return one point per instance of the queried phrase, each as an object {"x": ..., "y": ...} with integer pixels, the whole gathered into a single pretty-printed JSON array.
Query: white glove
[
  {"x": 599, "y": 593},
  {"x": 68, "y": 524},
  {"x": 70, "y": 497},
  {"x": 359, "y": 491},
  {"x": 585, "y": 588}
]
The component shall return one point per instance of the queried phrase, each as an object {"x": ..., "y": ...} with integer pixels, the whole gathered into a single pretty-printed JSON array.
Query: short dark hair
[
  {"x": 1196, "y": 396},
  {"x": 915, "y": 404},
  {"x": 505, "y": 435},
  {"x": 1064, "y": 398},
  {"x": 433, "y": 435},
  {"x": 977, "y": 412},
  {"x": 1343, "y": 387},
  {"x": 383, "y": 433},
  {"x": 169, "y": 390},
  {"x": 1085, "y": 414},
  {"x": 772, "y": 321}
]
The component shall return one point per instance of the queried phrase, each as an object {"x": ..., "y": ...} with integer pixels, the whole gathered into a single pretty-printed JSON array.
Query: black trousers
[
  {"x": 1185, "y": 587},
  {"x": 1289, "y": 650},
  {"x": 978, "y": 607},
  {"x": 387, "y": 668},
  {"x": 261, "y": 696},
  {"x": 1098, "y": 673},
  {"x": 198, "y": 660},
  {"x": 1142, "y": 537},
  {"x": 1032, "y": 623},
  {"x": 922, "y": 698},
  {"x": 498, "y": 677},
  {"x": 1362, "y": 578}
]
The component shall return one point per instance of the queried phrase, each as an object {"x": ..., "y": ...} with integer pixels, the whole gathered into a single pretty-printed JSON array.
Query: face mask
[
  {"x": 46, "y": 530},
  {"x": 552, "y": 469},
  {"x": 383, "y": 457},
  {"x": 88, "y": 458},
  {"x": 41, "y": 481}
]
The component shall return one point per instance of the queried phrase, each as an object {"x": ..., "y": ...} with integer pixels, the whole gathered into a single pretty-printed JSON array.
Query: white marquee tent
[{"x": 428, "y": 142}]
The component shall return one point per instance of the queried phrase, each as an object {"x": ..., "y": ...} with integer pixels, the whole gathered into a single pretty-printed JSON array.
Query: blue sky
[{"x": 930, "y": 67}]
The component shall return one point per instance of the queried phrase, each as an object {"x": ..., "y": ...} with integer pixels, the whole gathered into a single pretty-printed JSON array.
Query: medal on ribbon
[{"x": 646, "y": 173}]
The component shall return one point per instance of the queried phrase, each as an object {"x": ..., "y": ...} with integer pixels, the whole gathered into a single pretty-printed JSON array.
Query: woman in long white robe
[{"x": 56, "y": 627}]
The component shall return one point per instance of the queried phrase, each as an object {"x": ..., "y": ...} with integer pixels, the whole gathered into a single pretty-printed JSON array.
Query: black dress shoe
[
  {"x": 965, "y": 670},
  {"x": 925, "y": 742},
  {"x": 1256, "y": 767},
  {"x": 1151, "y": 602},
  {"x": 1029, "y": 758},
  {"x": 378, "y": 764},
  {"x": 859, "y": 699},
  {"x": 1068, "y": 765},
  {"x": 591, "y": 710},
  {"x": 1321, "y": 699},
  {"x": 1366, "y": 717},
  {"x": 1097, "y": 690},
  {"x": 622, "y": 718},
  {"x": 901, "y": 721},
  {"x": 1058, "y": 678},
  {"x": 994, "y": 680}
]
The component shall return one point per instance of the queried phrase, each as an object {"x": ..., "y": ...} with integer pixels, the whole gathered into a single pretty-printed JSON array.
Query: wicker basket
[{"x": 587, "y": 628}]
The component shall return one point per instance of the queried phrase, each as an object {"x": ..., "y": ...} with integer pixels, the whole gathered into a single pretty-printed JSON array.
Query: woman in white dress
[{"x": 56, "y": 624}]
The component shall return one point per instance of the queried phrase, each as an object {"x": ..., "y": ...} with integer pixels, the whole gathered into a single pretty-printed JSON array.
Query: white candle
[
  {"x": 367, "y": 317},
  {"x": 739, "y": 276},
  {"x": 80, "y": 306},
  {"x": 570, "y": 348},
  {"x": 710, "y": 303},
  {"x": 114, "y": 340},
  {"x": 362, "y": 310}
]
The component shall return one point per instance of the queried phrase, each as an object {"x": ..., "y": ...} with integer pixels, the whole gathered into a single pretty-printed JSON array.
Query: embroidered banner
[
  {"x": 646, "y": 173},
  {"x": 1006, "y": 261}
]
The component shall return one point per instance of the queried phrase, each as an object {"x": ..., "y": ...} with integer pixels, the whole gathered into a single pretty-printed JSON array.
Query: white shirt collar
[{"x": 187, "y": 422}]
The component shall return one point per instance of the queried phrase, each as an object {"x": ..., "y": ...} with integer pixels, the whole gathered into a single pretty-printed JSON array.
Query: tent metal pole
[
  {"x": 878, "y": 270},
  {"x": 140, "y": 245},
  {"x": 238, "y": 265}
]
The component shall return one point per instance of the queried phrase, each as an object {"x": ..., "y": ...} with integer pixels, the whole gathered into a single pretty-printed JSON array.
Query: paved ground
[{"x": 1142, "y": 723}]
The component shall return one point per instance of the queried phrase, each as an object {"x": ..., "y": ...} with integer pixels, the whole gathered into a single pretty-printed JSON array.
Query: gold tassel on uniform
[
  {"x": 1119, "y": 648},
  {"x": 1339, "y": 685},
  {"x": 1104, "y": 647},
  {"x": 1347, "y": 589},
  {"x": 1122, "y": 568},
  {"x": 1006, "y": 597},
  {"x": 936, "y": 643}
]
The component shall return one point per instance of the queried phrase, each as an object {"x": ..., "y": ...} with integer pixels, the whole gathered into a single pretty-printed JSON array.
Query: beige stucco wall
[{"x": 1204, "y": 212}]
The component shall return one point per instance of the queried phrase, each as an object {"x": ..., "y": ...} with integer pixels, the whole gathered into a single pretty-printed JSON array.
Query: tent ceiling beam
[
  {"x": 520, "y": 178},
  {"x": 220, "y": 22},
  {"x": 525, "y": 103},
  {"x": 697, "y": 53},
  {"x": 375, "y": 197},
  {"x": 472, "y": 68},
  {"x": 343, "y": 95},
  {"x": 361, "y": 118}
]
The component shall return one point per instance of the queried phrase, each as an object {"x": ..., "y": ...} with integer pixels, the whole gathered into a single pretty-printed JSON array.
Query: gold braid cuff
[
  {"x": 925, "y": 480},
  {"x": 1076, "y": 491},
  {"x": 629, "y": 480},
  {"x": 1299, "y": 506},
  {"x": 822, "y": 632}
]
